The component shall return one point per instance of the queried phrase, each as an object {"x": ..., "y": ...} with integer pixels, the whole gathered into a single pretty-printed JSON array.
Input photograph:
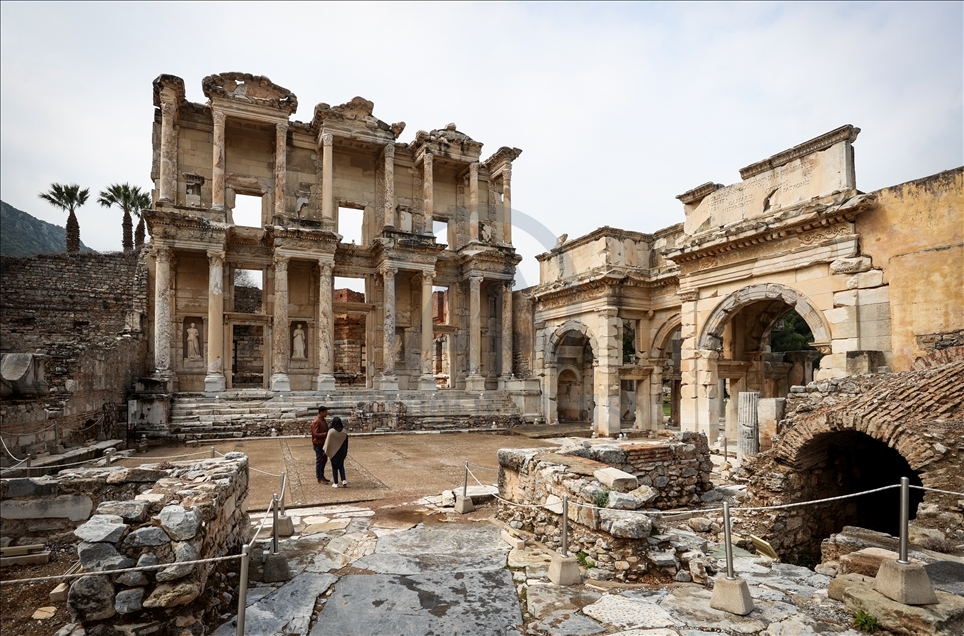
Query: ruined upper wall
[{"x": 816, "y": 168}]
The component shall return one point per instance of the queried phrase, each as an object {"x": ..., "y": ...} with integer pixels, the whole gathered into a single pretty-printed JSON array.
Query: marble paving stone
[
  {"x": 620, "y": 611},
  {"x": 524, "y": 558},
  {"x": 476, "y": 603},
  {"x": 438, "y": 549},
  {"x": 541, "y": 601},
  {"x": 690, "y": 605},
  {"x": 658, "y": 632},
  {"x": 287, "y": 610},
  {"x": 568, "y": 624}
]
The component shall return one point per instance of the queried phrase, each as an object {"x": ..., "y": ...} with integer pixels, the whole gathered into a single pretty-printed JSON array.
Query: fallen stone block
[
  {"x": 866, "y": 561},
  {"x": 944, "y": 618},
  {"x": 615, "y": 479}
]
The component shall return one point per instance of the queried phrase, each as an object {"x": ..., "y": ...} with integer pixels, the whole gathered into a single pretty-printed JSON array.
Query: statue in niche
[
  {"x": 193, "y": 343},
  {"x": 298, "y": 343}
]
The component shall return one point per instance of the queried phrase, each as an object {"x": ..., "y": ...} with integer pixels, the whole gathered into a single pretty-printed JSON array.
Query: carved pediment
[
  {"x": 356, "y": 114},
  {"x": 448, "y": 142},
  {"x": 252, "y": 89}
]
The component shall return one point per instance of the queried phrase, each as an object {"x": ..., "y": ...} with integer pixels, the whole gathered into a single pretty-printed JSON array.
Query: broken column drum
[{"x": 748, "y": 443}]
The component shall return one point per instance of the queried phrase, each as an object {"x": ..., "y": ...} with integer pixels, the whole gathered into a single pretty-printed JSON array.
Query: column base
[
  {"x": 427, "y": 383},
  {"x": 280, "y": 382},
  {"x": 386, "y": 383},
  {"x": 214, "y": 382},
  {"x": 324, "y": 382},
  {"x": 504, "y": 382},
  {"x": 475, "y": 382}
]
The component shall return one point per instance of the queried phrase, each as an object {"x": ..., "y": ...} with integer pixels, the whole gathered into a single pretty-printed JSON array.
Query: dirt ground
[{"x": 389, "y": 470}]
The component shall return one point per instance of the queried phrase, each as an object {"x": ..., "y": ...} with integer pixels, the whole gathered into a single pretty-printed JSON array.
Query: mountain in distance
[{"x": 25, "y": 235}]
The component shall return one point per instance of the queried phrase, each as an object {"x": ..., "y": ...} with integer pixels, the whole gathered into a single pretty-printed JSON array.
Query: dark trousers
[
  {"x": 337, "y": 467},
  {"x": 320, "y": 460}
]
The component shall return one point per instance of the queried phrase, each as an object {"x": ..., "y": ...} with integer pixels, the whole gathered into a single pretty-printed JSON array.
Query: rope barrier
[
  {"x": 12, "y": 456},
  {"x": 143, "y": 568},
  {"x": 945, "y": 492},
  {"x": 264, "y": 472},
  {"x": 176, "y": 456}
]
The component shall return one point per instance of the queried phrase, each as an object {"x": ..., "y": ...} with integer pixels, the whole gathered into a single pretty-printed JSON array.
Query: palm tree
[
  {"x": 68, "y": 198},
  {"x": 131, "y": 200}
]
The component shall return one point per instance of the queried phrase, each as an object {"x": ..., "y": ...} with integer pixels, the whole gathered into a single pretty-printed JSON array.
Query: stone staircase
[{"x": 250, "y": 412}]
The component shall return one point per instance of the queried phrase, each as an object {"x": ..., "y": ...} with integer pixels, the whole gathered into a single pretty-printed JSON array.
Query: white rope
[
  {"x": 205, "y": 452},
  {"x": 264, "y": 472},
  {"x": 142, "y": 568},
  {"x": 946, "y": 492},
  {"x": 12, "y": 456}
]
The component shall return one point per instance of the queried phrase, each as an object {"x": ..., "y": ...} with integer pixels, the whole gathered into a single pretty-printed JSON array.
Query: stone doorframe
[
  {"x": 267, "y": 330},
  {"x": 551, "y": 385}
]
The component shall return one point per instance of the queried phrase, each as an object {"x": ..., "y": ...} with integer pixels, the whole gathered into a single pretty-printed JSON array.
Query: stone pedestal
[
  {"x": 464, "y": 505},
  {"x": 731, "y": 595},
  {"x": 905, "y": 583},
  {"x": 564, "y": 570}
]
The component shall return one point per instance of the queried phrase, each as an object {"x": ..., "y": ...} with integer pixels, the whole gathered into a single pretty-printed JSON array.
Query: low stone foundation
[
  {"x": 621, "y": 481},
  {"x": 150, "y": 515}
]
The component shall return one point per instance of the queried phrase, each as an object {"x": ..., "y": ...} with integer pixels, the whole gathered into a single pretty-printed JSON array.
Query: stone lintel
[{"x": 697, "y": 194}]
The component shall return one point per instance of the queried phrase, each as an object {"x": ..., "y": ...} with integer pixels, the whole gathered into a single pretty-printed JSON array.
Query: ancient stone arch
[
  {"x": 711, "y": 335},
  {"x": 564, "y": 329},
  {"x": 663, "y": 335}
]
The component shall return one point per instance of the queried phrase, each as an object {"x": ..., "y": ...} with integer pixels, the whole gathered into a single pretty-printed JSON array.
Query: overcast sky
[{"x": 618, "y": 107}]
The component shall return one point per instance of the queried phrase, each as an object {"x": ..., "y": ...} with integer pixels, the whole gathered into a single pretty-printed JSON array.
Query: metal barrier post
[
  {"x": 726, "y": 539},
  {"x": 109, "y": 455},
  {"x": 284, "y": 483},
  {"x": 904, "y": 518},
  {"x": 29, "y": 459},
  {"x": 274, "y": 529},
  {"x": 212, "y": 452},
  {"x": 726, "y": 453},
  {"x": 565, "y": 525},
  {"x": 465, "y": 482},
  {"x": 243, "y": 587}
]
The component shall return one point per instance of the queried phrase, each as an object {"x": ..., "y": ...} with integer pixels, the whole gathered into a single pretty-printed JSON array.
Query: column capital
[
  {"x": 387, "y": 270},
  {"x": 327, "y": 139},
  {"x": 475, "y": 279},
  {"x": 280, "y": 262},
  {"x": 216, "y": 257},
  {"x": 507, "y": 172},
  {"x": 218, "y": 116},
  {"x": 168, "y": 109},
  {"x": 428, "y": 277},
  {"x": 326, "y": 266},
  {"x": 281, "y": 127},
  {"x": 389, "y": 150},
  {"x": 509, "y": 284},
  {"x": 162, "y": 254}
]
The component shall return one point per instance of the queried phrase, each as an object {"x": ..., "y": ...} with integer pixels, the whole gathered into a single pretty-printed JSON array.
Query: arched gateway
[{"x": 570, "y": 361}]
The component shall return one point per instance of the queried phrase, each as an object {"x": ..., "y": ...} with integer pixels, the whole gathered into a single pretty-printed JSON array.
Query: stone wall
[
  {"x": 839, "y": 433},
  {"x": 150, "y": 515},
  {"x": 82, "y": 315},
  {"x": 610, "y": 488}
]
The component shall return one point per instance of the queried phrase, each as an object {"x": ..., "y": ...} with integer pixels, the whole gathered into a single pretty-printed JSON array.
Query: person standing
[
  {"x": 319, "y": 433},
  {"x": 336, "y": 447}
]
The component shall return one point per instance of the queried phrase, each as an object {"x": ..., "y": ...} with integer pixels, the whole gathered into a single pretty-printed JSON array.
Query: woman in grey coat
[{"x": 336, "y": 448}]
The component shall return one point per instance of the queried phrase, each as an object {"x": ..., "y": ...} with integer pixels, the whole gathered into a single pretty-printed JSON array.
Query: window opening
[
  {"x": 350, "y": 223},
  {"x": 248, "y": 286},
  {"x": 247, "y": 210}
]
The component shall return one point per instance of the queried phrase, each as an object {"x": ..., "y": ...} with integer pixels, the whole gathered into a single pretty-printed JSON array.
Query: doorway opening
[{"x": 247, "y": 357}]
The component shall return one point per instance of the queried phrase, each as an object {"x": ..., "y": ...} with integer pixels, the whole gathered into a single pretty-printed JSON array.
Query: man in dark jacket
[{"x": 319, "y": 431}]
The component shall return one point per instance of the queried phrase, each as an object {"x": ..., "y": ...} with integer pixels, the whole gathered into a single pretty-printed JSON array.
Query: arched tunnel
[{"x": 847, "y": 462}]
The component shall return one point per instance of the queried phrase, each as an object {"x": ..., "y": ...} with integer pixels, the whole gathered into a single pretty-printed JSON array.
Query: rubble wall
[
  {"x": 608, "y": 520},
  {"x": 152, "y": 514},
  {"x": 918, "y": 414},
  {"x": 85, "y": 312}
]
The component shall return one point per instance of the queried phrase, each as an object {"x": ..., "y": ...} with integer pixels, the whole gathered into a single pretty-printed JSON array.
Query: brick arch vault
[{"x": 848, "y": 435}]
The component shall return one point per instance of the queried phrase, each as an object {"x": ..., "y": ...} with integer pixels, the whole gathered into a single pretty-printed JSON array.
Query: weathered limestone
[
  {"x": 168, "y": 189},
  {"x": 748, "y": 443},
  {"x": 389, "y": 211},
  {"x": 162, "y": 312},
  {"x": 327, "y": 187},
  {"x": 427, "y": 380},
  {"x": 325, "y": 380},
  {"x": 507, "y": 347},
  {"x": 280, "y": 166},
  {"x": 217, "y": 170},
  {"x": 279, "y": 345},
  {"x": 475, "y": 381},
  {"x": 214, "y": 380},
  {"x": 388, "y": 381}
]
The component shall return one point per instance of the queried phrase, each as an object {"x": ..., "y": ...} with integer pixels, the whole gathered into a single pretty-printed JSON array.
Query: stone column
[
  {"x": 280, "y": 166},
  {"x": 217, "y": 170},
  {"x": 162, "y": 312},
  {"x": 427, "y": 381},
  {"x": 428, "y": 193},
  {"x": 606, "y": 374},
  {"x": 550, "y": 388},
  {"x": 214, "y": 380},
  {"x": 507, "y": 204},
  {"x": 389, "y": 222},
  {"x": 748, "y": 442},
  {"x": 707, "y": 392},
  {"x": 388, "y": 381},
  {"x": 506, "y": 334},
  {"x": 474, "y": 201},
  {"x": 279, "y": 345},
  {"x": 168, "y": 188},
  {"x": 327, "y": 187},
  {"x": 475, "y": 381},
  {"x": 326, "y": 322}
]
